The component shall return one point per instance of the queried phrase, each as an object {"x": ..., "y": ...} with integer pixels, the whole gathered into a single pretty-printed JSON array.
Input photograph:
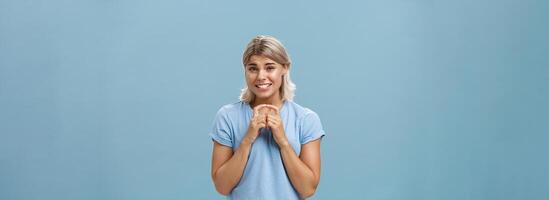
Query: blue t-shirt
[{"x": 264, "y": 176}]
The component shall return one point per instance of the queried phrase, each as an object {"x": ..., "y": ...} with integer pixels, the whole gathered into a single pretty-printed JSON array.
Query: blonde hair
[{"x": 270, "y": 47}]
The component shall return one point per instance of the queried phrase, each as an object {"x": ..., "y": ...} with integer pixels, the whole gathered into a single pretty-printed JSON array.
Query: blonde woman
[{"x": 266, "y": 146}]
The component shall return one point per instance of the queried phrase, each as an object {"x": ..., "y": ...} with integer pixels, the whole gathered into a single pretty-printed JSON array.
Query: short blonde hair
[{"x": 270, "y": 47}]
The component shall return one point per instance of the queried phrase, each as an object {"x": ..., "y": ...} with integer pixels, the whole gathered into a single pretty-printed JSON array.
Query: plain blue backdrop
[{"x": 420, "y": 99}]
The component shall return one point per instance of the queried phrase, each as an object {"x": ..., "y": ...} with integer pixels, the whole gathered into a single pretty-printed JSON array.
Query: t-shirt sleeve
[
  {"x": 221, "y": 130},
  {"x": 311, "y": 128}
]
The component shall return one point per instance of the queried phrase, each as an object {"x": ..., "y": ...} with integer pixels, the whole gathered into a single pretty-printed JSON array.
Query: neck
[{"x": 274, "y": 100}]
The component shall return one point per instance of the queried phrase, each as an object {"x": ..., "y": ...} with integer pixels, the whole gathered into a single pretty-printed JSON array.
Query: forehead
[{"x": 260, "y": 59}]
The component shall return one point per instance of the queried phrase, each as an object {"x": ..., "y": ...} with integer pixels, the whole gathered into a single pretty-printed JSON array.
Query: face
[{"x": 264, "y": 76}]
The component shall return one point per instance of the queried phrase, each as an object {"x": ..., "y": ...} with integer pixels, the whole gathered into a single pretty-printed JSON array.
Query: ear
[{"x": 286, "y": 68}]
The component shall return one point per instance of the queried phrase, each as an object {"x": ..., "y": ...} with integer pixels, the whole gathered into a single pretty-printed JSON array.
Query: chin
[{"x": 263, "y": 95}]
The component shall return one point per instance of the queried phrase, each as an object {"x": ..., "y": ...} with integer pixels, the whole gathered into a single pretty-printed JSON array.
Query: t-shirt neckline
[{"x": 284, "y": 105}]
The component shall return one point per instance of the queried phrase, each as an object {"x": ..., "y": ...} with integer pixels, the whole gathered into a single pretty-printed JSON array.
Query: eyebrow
[{"x": 254, "y": 64}]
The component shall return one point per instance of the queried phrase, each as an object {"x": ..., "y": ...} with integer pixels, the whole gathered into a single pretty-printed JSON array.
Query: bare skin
[{"x": 228, "y": 165}]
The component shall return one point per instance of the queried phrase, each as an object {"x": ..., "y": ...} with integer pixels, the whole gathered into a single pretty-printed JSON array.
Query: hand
[
  {"x": 258, "y": 121},
  {"x": 274, "y": 122}
]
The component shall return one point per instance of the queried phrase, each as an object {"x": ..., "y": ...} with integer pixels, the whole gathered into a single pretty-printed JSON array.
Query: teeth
[{"x": 264, "y": 85}]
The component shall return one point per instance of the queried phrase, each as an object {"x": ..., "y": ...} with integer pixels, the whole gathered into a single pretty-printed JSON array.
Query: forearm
[
  {"x": 301, "y": 176},
  {"x": 228, "y": 175}
]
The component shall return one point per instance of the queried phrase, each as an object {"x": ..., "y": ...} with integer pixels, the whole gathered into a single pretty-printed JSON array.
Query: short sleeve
[
  {"x": 221, "y": 130},
  {"x": 311, "y": 128}
]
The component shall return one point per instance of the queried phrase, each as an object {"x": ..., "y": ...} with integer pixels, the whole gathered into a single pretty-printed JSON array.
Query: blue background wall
[{"x": 420, "y": 99}]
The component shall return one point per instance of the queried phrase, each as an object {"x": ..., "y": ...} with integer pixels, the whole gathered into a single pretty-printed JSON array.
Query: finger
[
  {"x": 268, "y": 124},
  {"x": 274, "y": 108},
  {"x": 261, "y": 106},
  {"x": 273, "y": 116},
  {"x": 264, "y": 109},
  {"x": 273, "y": 112},
  {"x": 272, "y": 121},
  {"x": 262, "y": 124},
  {"x": 263, "y": 116},
  {"x": 256, "y": 108}
]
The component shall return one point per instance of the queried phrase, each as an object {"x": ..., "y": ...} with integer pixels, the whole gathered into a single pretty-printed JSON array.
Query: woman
[{"x": 266, "y": 146}]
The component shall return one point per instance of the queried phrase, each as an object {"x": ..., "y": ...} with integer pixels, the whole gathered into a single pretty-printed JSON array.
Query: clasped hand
[{"x": 267, "y": 116}]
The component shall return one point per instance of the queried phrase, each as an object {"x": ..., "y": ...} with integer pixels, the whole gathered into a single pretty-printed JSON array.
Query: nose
[{"x": 261, "y": 75}]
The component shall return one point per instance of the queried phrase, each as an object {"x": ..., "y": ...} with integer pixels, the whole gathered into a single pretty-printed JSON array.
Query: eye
[
  {"x": 252, "y": 69},
  {"x": 270, "y": 68}
]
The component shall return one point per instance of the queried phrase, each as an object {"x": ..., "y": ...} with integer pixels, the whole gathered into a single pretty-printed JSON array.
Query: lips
[{"x": 263, "y": 85}]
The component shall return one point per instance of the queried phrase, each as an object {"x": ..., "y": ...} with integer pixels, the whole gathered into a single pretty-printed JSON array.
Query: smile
[{"x": 263, "y": 85}]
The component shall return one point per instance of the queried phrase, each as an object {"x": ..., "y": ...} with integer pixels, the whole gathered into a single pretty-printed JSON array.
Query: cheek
[
  {"x": 249, "y": 78},
  {"x": 278, "y": 79}
]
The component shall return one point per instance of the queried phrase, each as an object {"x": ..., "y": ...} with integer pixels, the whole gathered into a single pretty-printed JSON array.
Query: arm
[
  {"x": 228, "y": 167},
  {"x": 304, "y": 171}
]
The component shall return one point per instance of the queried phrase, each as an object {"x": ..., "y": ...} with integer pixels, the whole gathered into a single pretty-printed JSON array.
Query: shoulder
[
  {"x": 232, "y": 108},
  {"x": 300, "y": 111},
  {"x": 308, "y": 122}
]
